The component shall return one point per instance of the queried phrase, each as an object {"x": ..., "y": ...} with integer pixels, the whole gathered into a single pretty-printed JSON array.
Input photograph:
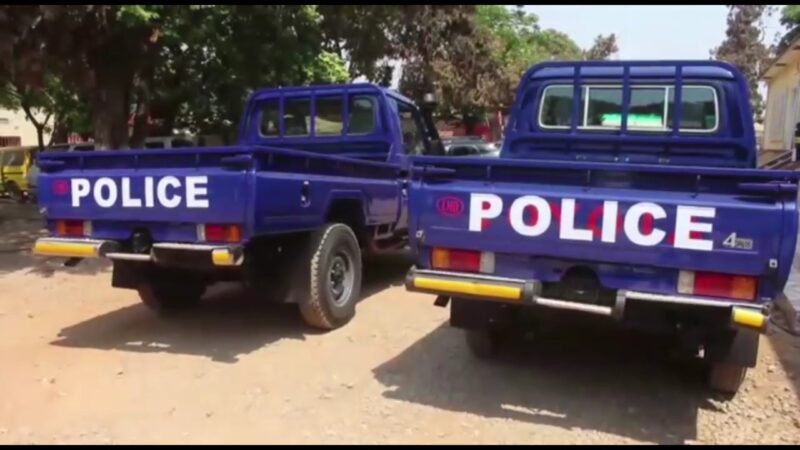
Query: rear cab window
[
  {"x": 650, "y": 108},
  {"x": 332, "y": 115}
]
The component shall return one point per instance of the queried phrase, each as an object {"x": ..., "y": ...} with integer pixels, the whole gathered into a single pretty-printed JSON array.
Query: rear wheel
[
  {"x": 168, "y": 291},
  {"x": 327, "y": 277},
  {"x": 726, "y": 378}
]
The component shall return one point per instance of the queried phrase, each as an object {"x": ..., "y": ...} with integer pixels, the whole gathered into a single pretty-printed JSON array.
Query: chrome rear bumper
[
  {"x": 218, "y": 255},
  {"x": 528, "y": 292}
]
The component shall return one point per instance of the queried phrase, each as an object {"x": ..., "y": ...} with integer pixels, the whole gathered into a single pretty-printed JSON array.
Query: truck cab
[
  {"x": 318, "y": 178},
  {"x": 608, "y": 199}
]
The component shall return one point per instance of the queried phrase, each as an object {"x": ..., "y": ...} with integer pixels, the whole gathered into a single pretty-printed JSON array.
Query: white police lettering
[
  {"x": 610, "y": 226},
  {"x": 634, "y": 216},
  {"x": 110, "y": 197},
  {"x": 567, "y": 229},
  {"x": 644, "y": 224},
  {"x": 543, "y": 215},
  {"x": 168, "y": 201},
  {"x": 685, "y": 225},
  {"x": 80, "y": 187},
  {"x": 127, "y": 200},
  {"x": 166, "y": 192},
  {"x": 483, "y": 206},
  {"x": 196, "y": 187}
]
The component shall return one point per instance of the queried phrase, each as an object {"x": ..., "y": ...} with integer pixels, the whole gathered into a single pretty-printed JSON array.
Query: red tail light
[
  {"x": 739, "y": 287},
  {"x": 73, "y": 228},
  {"x": 219, "y": 233},
  {"x": 462, "y": 260}
]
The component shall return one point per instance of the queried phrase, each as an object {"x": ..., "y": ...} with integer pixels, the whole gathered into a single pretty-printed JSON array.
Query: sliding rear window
[
  {"x": 294, "y": 117},
  {"x": 650, "y": 108}
]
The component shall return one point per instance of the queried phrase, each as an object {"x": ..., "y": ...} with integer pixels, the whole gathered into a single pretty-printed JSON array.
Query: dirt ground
[{"x": 85, "y": 363}]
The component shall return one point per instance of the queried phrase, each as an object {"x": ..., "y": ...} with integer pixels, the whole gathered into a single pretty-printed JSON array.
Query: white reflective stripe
[
  {"x": 487, "y": 262},
  {"x": 686, "y": 282}
]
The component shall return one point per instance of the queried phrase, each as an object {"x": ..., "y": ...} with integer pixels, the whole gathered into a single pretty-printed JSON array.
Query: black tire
[
  {"x": 327, "y": 277},
  {"x": 726, "y": 378},
  {"x": 165, "y": 292},
  {"x": 483, "y": 343}
]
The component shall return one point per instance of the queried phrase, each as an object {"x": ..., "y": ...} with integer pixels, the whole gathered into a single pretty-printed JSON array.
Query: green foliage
[
  {"x": 133, "y": 15},
  {"x": 227, "y": 51},
  {"x": 790, "y": 15}
]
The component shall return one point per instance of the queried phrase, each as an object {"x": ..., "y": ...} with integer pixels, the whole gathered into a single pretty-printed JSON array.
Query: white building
[
  {"x": 783, "y": 101},
  {"x": 16, "y": 129}
]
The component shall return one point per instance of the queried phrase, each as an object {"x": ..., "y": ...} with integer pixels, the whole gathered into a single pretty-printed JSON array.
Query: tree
[
  {"x": 517, "y": 43},
  {"x": 743, "y": 47},
  {"x": 191, "y": 65},
  {"x": 603, "y": 48},
  {"x": 790, "y": 18},
  {"x": 360, "y": 35},
  {"x": 34, "y": 103},
  {"x": 227, "y": 51},
  {"x": 445, "y": 51},
  {"x": 97, "y": 50}
]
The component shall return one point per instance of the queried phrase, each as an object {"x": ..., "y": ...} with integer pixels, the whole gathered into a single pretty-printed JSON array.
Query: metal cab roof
[
  {"x": 637, "y": 69},
  {"x": 329, "y": 89}
]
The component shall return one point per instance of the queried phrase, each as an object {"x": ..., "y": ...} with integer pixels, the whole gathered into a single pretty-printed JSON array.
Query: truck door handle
[{"x": 767, "y": 187}]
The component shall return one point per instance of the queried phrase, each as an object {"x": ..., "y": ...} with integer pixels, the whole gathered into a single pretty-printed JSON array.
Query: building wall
[
  {"x": 15, "y": 124},
  {"x": 783, "y": 108}
]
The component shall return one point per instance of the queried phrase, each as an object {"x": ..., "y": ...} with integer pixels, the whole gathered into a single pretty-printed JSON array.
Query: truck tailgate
[
  {"x": 121, "y": 190},
  {"x": 541, "y": 218}
]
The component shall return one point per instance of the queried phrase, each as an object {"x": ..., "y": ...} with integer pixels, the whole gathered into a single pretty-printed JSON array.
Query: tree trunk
[
  {"x": 36, "y": 124},
  {"x": 141, "y": 119},
  {"x": 60, "y": 132},
  {"x": 110, "y": 117}
]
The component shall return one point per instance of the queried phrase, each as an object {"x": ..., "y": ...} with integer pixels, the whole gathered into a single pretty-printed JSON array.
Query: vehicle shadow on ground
[
  {"x": 602, "y": 379},
  {"x": 226, "y": 326}
]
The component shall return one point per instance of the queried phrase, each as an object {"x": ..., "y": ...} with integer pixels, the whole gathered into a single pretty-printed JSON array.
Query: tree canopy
[
  {"x": 744, "y": 47},
  {"x": 95, "y": 68}
]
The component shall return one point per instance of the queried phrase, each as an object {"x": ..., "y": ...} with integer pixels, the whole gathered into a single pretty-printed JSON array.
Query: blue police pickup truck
[
  {"x": 318, "y": 178},
  {"x": 623, "y": 189}
]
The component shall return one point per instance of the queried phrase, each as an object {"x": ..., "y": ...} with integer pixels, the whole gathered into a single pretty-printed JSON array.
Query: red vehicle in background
[{"x": 488, "y": 127}]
